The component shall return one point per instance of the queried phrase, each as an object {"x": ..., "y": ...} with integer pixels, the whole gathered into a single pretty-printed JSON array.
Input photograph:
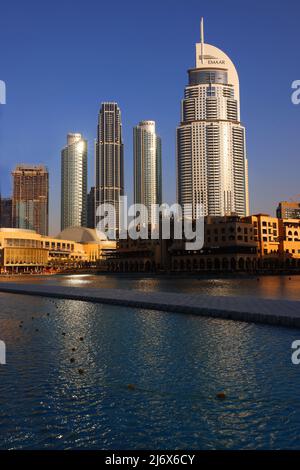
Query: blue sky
[{"x": 60, "y": 59}]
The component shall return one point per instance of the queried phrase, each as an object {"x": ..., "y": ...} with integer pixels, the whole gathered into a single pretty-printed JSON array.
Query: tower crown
[{"x": 209, "y": 57}]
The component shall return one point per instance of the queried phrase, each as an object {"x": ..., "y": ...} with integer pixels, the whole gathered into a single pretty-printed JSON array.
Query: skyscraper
[
  {"x": 74, "y": 182},
  {"x": 30, "y": 198},
  {"x": 147, "y": 165},
  {"x": 5, "y": 212},
  {"x": 212, "y": 166},
  {"x": 91, "y": 216},
  {"x": 109, "y": 158}
]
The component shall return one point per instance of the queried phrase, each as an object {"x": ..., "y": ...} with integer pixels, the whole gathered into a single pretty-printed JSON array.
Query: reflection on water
[
  {"x": 275, "y": 287},
  {"x": 177, "y": 364}
]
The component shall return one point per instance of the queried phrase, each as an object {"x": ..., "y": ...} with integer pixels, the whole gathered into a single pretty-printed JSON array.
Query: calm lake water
[
  {"x": 276, "y": 287},
  {"x": 177, "y": 363}
]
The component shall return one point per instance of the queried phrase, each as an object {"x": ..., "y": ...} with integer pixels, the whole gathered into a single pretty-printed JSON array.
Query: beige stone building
[
  {"x": 278, "y": 241},
  {"x": 27, "y": 251},
  {"x": 229, "y": 245}
]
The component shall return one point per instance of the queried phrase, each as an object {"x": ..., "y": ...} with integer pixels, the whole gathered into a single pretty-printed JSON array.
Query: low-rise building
[
  {"x": 289, "y": 242},
  {"x": 266, "y": 234},
  {"x": 278, "y": 241},
  {"x": 27, "y": 251},
  {"x": 141, "y": 255},
  {"x": 229, "y": 245},
  {"x": 94, "y": 248}
]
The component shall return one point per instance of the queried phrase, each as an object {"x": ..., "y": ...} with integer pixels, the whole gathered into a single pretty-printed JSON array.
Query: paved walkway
[{"x": 269, "y": 311}]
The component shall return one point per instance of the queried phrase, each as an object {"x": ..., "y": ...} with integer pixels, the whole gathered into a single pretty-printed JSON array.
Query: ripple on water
[{"x": 175, "y": 363}]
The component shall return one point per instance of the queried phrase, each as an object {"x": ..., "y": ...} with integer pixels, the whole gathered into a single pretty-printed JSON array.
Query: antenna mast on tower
[{"x": 202, "y": 39}]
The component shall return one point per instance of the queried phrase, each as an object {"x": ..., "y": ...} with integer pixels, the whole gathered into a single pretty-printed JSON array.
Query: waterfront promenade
[{"x": 249, "y": 309}]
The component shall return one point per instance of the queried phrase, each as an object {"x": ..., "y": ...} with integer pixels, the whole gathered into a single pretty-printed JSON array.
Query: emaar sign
[{"x": 2, "y": 92}]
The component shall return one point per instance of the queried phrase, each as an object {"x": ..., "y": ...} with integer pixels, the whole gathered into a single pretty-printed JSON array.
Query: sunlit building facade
[
  {"x": 147, "y": 166},
  {"x": 74, "y": 182},
  {"x": 27, "y": 251},
  {"x": 278, "y": 241},
  {"x": 212, "y": 167}
]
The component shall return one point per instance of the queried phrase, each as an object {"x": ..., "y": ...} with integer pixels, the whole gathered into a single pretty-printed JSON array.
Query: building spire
[{"x": 202, "y": 38}]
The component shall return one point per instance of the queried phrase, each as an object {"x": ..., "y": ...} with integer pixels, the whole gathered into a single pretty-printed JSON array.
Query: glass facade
[
  {"x": 74, "y": 182},
  {"x": 147, "y": 165},
  {"x": 109, "y": 160},
  {"x": 202, "y": 77}
]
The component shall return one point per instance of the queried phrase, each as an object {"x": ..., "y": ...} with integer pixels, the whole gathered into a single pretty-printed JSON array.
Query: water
[
  {"x": 177, "y": 363},
  {"x": 276, "y": 287}
]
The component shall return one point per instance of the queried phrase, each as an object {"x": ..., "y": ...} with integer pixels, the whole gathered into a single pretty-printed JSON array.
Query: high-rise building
[
  {"x": 30, "y": 198},
  {"x": 288, "y": 210},
  {"x": 109, "y": 159},
  {"x": 6, "y": 212},
  {"x": 91, "y": 215},
  {"x": 147, "y": 165},
  {"x": 74, "y": 182},
  {"x": 211, "y": 148}
]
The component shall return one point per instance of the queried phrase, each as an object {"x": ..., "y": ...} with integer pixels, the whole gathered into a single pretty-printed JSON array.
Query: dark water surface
[
  {"x": 177, "y": 363},
  {"x": 276, "y": 287}
]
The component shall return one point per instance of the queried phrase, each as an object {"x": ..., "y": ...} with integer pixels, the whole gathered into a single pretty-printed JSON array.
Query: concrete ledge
[{"x": 248, "y": 309}]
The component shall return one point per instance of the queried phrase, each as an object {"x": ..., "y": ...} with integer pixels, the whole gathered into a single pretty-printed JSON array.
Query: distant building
[
  {"x": 288, "y": 210},
  {"x": 147, "y": 166},
  {"x": 109, "y": 159},
  {"x": 6, "y": 212},
  {"x": 91, "y": 208},
  {"x": 30, "y": 204},
  {"x": 74, "y": 182}
]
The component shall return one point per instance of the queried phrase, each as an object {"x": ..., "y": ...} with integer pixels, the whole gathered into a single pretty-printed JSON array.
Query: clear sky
[{"x": 61, "y": 58}]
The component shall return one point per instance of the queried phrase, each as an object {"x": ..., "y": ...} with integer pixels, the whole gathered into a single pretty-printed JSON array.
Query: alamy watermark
[
  {"x": 136, "y": 220},
  {"x": 2, "y": 92},
  {"x": 2, "y": 353},
  {"x": 296, "y": 352},
  {"x": 295, "y": 97}
]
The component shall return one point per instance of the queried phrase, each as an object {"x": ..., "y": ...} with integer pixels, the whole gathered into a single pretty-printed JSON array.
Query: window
[{"x": 211, "y": 91}]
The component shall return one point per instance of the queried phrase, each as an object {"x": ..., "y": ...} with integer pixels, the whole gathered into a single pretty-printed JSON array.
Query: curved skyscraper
[
  {"x": 74, "y": 182},
  {"x": 211, "y": 149},
  {"x": 147, "y": 165},
  {"x": 109, "y": 158}
]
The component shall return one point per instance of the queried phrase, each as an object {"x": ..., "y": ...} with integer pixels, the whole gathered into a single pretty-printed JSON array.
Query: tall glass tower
[
  {"x": 147, "y": 165},
  {"x": 212, "y": 166},
  {"x": 74, "y": 182},
  {"x": 109, "y": 158}
]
